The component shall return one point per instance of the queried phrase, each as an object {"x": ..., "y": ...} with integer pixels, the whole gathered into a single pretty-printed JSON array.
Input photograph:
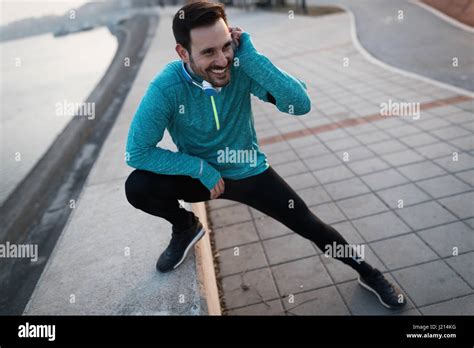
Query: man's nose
[{"x": 221, "y": 60}]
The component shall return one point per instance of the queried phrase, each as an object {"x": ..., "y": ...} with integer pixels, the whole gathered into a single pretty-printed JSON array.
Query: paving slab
[{"x": 389, "y": 159}]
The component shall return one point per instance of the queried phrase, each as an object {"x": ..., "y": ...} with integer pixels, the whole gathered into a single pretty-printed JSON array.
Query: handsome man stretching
[{"x": 204, "y": 102}]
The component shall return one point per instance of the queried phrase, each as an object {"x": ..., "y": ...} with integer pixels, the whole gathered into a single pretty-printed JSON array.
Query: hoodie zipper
[{"x": 216, "y": 116}]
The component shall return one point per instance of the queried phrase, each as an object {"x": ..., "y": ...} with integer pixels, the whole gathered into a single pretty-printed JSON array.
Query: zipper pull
[{"x": 216, "y": 117}]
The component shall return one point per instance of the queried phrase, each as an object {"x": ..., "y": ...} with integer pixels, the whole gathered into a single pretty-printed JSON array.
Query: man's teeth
[{"x": 218, "y": 71}]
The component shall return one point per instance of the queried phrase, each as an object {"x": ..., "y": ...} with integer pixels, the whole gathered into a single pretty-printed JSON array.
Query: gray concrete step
[{"x": 104, "y": 261}]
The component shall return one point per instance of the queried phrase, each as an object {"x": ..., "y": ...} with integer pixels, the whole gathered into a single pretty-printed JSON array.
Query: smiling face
[{"x": 211, "y": 53}]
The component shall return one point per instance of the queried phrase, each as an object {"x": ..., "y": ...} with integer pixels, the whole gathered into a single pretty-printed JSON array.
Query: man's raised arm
[
  {"x": 270, "y": 83},
  {"x": 146, "y": 130}
]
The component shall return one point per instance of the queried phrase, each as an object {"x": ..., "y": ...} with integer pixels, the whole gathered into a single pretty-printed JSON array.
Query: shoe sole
[
  {"x": 375, "y": 292},
  {"x": 193, "y": 242}
]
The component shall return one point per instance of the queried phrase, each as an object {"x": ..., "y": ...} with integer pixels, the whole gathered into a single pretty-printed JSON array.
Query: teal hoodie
[{"x": 210, "y": 133}]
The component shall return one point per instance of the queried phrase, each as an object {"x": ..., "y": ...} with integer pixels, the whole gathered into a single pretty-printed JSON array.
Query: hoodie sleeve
[
  {"x": 270, "y": 83},
  {"x": 147, "y": 129}
]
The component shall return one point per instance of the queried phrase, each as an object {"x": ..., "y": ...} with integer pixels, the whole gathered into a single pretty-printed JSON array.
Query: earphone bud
[{"x": 208, "y": 89}]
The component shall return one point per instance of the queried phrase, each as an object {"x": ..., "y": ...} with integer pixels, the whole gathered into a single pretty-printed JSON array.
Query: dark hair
[{"x": 194, "y": 15}]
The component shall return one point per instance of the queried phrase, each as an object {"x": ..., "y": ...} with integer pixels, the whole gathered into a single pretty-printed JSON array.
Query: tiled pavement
[{"x": 353, "y": 174}]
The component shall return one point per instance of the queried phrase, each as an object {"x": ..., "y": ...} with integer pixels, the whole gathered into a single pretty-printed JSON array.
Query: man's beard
[{"x": 209, "y": 78}]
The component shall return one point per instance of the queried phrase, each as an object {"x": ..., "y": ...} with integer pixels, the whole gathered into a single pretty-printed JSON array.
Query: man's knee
[{"x": 136, "y": 188}]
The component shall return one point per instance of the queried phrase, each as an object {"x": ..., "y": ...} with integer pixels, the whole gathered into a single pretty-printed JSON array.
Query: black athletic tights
[{"x": 267, "y": 192}]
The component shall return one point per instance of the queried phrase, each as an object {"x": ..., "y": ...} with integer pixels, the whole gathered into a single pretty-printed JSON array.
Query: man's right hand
[
  {"x": 235, "y": 33},
  {"x": 218, "y": 189}
]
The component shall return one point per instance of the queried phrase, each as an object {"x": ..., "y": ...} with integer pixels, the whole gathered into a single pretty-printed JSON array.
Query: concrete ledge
[
  {"x": 205, "y": 264},
  {"x": 38, "y": 209},
  {"x": 104, "y": 261}
]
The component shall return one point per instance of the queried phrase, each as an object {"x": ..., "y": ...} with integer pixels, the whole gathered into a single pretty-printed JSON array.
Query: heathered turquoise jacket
[{"x": 201, "y": 131}]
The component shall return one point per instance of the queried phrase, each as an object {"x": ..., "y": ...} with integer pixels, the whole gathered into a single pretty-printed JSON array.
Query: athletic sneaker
[
  {"x": 181, "y": 242},
  {"x": 388, "y": 294}
]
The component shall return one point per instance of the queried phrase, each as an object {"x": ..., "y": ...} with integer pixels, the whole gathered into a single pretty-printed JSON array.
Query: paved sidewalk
[
  {"x": 352, "y": 167},
  {"x": 419, "y": 42}
]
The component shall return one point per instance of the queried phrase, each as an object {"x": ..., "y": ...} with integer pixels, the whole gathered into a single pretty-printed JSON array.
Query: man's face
[{"x": 211, "y": 53}]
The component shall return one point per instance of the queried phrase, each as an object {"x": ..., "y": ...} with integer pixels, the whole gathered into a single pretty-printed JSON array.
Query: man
[{"x": 204, "y": 102}]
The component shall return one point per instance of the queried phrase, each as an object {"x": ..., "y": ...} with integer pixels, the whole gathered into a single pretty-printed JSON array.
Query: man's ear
[{"x": 182, "y": 53}]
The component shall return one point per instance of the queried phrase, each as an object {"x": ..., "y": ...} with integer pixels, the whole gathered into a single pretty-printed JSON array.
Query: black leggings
[{"x": 158, "y": 195}]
